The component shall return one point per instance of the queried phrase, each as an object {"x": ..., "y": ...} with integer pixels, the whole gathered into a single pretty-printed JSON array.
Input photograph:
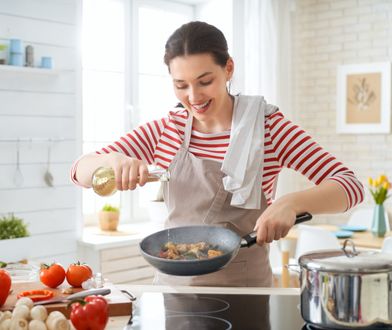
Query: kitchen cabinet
[
  {"x": 116, "y": 257},
  {"x": 125, "y": 265}
]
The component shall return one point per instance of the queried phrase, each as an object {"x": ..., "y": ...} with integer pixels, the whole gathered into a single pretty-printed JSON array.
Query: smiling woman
[
  {"x": 203, "y": 92},
  {"x": 224, "y": 153}
]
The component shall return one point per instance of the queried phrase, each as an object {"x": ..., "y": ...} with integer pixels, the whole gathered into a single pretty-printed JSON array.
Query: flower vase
[{"x": 378, "y": 225}]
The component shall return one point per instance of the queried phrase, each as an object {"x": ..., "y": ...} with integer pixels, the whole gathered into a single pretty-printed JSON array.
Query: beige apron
[{"x": 195, "y": 196}]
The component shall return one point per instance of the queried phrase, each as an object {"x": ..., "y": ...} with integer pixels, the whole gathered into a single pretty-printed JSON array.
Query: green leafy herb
[
  {"x": 12, "y": 227},
  {"x": 110, "y": 208}
]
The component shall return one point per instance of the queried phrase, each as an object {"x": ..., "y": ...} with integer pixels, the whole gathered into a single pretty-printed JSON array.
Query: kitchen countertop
[
  {"x": 137, "y": 290},
  {"x": 126, "y": 234},
  {"x": 364, "y": 240}
]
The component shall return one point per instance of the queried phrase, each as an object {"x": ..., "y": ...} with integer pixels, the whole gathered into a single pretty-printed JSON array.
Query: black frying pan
[{"x": 225, "y": 239}]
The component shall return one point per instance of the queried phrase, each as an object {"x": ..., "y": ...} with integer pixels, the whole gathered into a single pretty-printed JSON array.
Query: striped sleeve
[
  {"x": 170, "y": 139},
  {"x": 296, "y": 150},
  {"x": 140, "y": 143},
  {"x": 156, "y": 142}
]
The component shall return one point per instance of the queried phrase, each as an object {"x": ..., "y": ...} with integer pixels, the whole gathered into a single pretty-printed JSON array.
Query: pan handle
[{"x": 250, "y": 239}]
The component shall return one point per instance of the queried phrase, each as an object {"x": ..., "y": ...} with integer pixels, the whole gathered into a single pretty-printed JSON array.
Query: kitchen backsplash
[{"x": 39, "y": 117}]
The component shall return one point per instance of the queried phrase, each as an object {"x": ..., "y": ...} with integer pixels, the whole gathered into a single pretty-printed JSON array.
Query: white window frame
[
  {"x": 132, "y": 111},
  {"x": 193, "y": 9}
]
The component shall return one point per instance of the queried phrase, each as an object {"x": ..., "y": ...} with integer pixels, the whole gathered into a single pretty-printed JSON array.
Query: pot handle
[
  {"x": 294, "y": 267},
  {"x": 349, "y": 254},
  {"x": 251, "y": 238}
]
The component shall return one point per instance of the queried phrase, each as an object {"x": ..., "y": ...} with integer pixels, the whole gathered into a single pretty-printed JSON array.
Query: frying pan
[{"x": 225, "y": 239}]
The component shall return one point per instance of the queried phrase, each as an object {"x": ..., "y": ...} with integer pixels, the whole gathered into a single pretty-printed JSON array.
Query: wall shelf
[{"x": 29, "y": 70}]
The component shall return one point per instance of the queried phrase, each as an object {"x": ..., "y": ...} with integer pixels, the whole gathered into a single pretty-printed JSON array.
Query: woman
[{"x": 224, "y": 154}]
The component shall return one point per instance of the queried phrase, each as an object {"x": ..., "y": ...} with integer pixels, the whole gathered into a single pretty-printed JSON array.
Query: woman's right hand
[{"x": 129, "y": 172}]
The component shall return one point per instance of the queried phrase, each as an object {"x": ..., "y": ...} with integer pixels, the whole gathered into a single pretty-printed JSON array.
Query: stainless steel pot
[{"x": 346, "y": 289}]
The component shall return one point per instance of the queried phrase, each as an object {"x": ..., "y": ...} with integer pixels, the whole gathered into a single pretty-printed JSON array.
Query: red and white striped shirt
[{"x": 285, "y": 145}]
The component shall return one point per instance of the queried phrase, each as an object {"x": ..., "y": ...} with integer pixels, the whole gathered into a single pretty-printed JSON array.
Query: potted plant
[
  {"x": 109, "y": 217},
  {"x": 14, "y": 238},
  {"x": 12, "y": 227}
]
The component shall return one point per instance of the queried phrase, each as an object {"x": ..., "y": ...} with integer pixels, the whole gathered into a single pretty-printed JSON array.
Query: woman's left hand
[{"x": 275, "y": 222}]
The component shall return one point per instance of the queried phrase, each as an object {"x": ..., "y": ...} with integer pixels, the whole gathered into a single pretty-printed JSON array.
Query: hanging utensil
[
  {"x": 18, "y": 175},
  {"x": 48, "y": 177}
]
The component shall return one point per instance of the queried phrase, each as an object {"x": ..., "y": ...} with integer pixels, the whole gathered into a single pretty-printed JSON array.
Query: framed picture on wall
[{"x": 364, "y": 98}]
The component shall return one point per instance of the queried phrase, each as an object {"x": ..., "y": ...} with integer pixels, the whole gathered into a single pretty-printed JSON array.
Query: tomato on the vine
[
  {"x": 77, "y": 273},
  {"x": 52, "y": 275}
]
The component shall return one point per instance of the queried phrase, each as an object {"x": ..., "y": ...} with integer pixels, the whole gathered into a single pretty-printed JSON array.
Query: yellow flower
[
  {"x": 382, "y": 178},
  {"x": 379, "y": 188}
]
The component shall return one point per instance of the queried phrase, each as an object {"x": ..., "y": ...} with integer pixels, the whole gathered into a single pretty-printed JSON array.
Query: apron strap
[{"x": 188, "y": 131}]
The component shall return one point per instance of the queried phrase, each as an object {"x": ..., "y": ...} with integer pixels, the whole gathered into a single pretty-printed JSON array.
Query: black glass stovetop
[
  {"x": 167, "y": 311},
  {"x": 180, "y": 311}
]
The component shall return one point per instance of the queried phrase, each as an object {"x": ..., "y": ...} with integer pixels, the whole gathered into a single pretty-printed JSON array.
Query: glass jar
[
  {"x": 104, "y": 183},
  {"x": 3, "y": 54}
]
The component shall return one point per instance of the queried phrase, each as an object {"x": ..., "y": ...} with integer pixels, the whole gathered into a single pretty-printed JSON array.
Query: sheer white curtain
[
  {"x": 262, "y": 49},
  {"x": 262, "y": 54}
]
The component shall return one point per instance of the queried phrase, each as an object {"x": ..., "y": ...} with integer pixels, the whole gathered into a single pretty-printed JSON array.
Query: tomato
[
  {"x": 5, "y": 286},
  {"x": 92, "y": 313},
  {"x": 53, "y": 275},
  {"x": 78, "y": 273}
]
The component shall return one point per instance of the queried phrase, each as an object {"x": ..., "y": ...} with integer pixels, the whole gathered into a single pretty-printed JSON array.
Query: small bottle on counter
[
  {"x": 16, "y": 52},
  {"x": 3, "y": 54},
  {"x": 29, "y": 53},
  {"x": 104, "y": 184}
]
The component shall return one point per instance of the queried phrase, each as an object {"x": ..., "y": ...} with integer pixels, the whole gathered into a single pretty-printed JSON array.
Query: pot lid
[{"x": 347, "y": 260}]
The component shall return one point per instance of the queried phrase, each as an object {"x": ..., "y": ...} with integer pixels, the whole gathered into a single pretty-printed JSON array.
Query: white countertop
[
  {"x": 138, "y": 289},
  {"x": 126, "y": 234}
]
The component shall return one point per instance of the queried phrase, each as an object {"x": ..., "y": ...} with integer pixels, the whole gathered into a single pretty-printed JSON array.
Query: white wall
[
  {"x": 207, "y": 12},
  {"x": 325, "y": 35},
  {"x": 42, "y": 107}
]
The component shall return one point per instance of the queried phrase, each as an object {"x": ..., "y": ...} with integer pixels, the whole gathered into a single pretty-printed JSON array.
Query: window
[
  {"x": 152, "y": 94},
  {"x": 125, "y": 81},
  {"x": 103, "y": 74}
]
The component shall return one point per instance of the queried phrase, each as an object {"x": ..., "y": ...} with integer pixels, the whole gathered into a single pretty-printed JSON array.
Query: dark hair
[{"x": 197, "y": 38}]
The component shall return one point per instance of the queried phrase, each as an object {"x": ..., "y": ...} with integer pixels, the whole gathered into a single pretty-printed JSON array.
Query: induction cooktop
[
  {"x": 164, "y": 311},
  {"x": 180, "y": 311}
]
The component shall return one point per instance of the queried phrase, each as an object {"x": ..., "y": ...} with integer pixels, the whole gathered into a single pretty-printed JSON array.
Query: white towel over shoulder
[{"x": 243, "y": 162}]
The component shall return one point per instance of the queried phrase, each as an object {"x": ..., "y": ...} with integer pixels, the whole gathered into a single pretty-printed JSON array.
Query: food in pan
[{"x": 193, "y": 251}]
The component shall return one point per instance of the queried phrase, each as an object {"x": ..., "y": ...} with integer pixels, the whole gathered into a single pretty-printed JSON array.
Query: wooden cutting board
[{"x": 119, "y": 303}]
